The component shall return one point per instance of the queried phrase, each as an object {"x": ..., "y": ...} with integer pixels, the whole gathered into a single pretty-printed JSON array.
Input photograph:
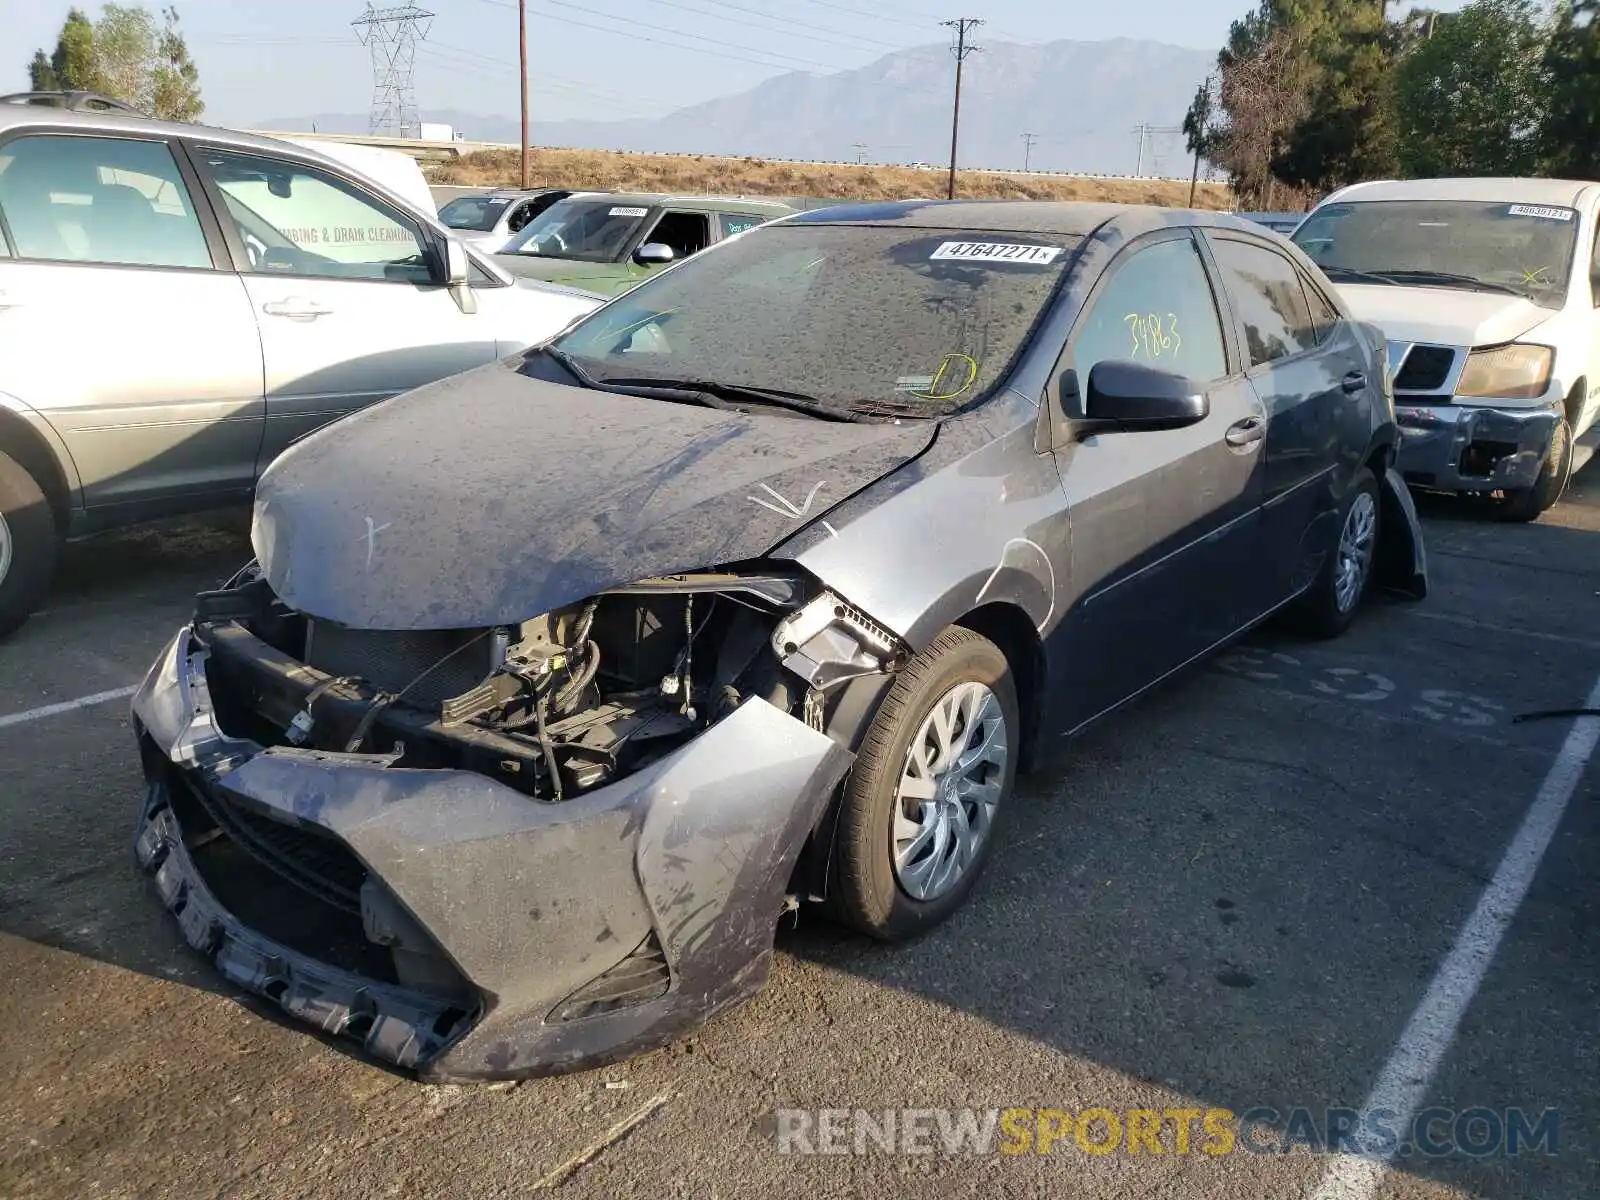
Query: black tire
[
  {"x": 1319, "y": 612},
  {"x": 1525, "y": 504},
  {"x": 30, "y": 531},
  {"x": 864, "y": 891}
]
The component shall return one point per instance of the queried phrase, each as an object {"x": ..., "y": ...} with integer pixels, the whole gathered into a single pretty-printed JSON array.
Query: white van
[{"x": 1488, "y": 291}]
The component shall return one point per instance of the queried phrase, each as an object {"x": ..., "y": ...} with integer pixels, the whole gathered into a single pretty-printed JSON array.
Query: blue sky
[{"x": 599, "y": 59}]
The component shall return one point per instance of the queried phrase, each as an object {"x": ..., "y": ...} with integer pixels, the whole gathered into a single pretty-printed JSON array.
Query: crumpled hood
[
  {"x": 490, "y": 497},
  {"x": 1443, "y": 316}
]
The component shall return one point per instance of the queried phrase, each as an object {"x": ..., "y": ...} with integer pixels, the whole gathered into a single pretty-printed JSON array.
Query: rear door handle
[
  {"x": 1354, "y": 382},
  {"x": 296, "y": 309},
  {"x": 1246, "y": 432}
]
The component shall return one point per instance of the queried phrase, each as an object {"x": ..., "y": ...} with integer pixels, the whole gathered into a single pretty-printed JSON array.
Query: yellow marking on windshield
[{"x": 948, "y": 365}]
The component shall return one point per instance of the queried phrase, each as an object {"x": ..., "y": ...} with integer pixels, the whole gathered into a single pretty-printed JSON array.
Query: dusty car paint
[{"x": 547, "y": 494}]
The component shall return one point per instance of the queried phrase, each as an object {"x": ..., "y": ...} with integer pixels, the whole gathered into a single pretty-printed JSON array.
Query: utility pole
[
  {"x": 962, "y": 26},
  {"x": 1142, "y": 130},
  {"x": 1028, "y": 139},
  {"x": 861, "y": 152},
  {"x": 522, "y": 45}
]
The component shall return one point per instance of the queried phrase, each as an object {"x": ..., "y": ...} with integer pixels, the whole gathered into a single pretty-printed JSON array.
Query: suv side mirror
[
  {"x": 456, "y": 266},
  {"x": 1130, "y": 397},
  {"x": 458, "y": 275},
  {"x": 653, "y": 254}
]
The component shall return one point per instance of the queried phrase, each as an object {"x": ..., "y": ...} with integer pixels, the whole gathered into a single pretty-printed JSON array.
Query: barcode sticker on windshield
[
  {"x": 996, "y": 252},
  {"x": 630, "y": 212},
  {"x": 1539, "y": 210}
]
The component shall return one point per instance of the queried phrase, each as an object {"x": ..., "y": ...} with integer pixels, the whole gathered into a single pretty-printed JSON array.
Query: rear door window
[
  {"x": 1270, "y": 300},
  {"x": 733, "y": 223},
  {"x": 119, "y": 201}
]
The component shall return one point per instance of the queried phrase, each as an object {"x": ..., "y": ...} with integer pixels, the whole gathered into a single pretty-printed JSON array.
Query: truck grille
[{"x": 1425, "y": 369}]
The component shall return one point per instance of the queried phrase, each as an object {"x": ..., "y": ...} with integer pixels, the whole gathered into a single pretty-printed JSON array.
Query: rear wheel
[
  {"x": 28, "y": 543},
  {"x": 1330, "y": 606},
  {"x": 1525, "y": 504},
  {"x": 932, "y": 777}
]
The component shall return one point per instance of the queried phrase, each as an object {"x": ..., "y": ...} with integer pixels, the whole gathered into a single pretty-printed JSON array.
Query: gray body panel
[{"x": 1104, "y": 561}]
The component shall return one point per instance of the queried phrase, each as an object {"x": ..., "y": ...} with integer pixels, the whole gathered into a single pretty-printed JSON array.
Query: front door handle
[
  {"x": 296, "y": 309},
  {"x": 1246, "y": 432},
  {"x": 7, "y": 302},
  {"x": 1354, "y": 382}
]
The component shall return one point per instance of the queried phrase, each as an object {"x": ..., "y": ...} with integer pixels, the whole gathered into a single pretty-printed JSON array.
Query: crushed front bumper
[
  {"x": 553, "y": 936},
  {"x": 1458, "y": 447}
]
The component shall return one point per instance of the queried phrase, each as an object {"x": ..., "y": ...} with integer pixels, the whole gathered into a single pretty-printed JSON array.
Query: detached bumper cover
[
  {"x": 1460, "y": 447},
  {"x": 536, "y": 905}
]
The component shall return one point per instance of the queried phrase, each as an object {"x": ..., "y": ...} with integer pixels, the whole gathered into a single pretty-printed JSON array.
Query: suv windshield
[
  {"x": 854, "y": 319},
  {"x": 1521, "y": 248},
  {"x": 591, "y": 230},
  {"x": 474, "y": 212}
]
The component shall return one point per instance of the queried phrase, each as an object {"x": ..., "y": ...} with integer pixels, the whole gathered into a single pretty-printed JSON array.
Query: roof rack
[{"x": 74, "y": 100}]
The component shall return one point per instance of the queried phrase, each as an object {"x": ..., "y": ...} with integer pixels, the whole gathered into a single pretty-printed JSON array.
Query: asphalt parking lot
[{"x": 1235, "y": 896}]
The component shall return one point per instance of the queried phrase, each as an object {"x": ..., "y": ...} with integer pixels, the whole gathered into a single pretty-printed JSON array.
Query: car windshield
[
  {"x": 591, "y": 230},
  {"x": 1525, "y": 249},
  {"x": 853, "y": 319},
  {"x": 477, "y": 213}
]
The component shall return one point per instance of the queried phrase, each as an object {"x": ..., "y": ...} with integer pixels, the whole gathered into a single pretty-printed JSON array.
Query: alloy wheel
[{"x": 949, "y": 789}]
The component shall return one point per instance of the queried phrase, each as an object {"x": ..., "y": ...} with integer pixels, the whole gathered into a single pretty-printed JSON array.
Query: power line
[
  {"x": 392, "y": 34},
  {"x": 819, "y": 32},
  {"x": 961, "y": 49}
]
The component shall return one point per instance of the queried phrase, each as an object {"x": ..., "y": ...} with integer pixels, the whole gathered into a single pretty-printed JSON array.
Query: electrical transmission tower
[
  {"x": 961, "y": 48},
  {"x": 392, "y": 34}
]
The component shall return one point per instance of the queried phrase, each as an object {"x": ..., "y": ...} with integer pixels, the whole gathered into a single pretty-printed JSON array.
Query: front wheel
[
  {"x": 1330, "y": 606},
  {"x": 1525, "y": 504},
  {"x": 933, "y": 775}
]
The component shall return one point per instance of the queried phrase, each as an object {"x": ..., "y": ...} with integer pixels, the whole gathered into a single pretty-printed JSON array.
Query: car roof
[
  {"x": 13, "y": 116},
  {"x": 744, "y": 204},
  {"x": 1566, "y": 192},
  {"x": 1064, "y": 218}
]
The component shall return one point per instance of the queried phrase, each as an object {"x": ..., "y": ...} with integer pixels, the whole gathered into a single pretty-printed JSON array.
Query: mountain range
[{"x": 1085, "y": 103}]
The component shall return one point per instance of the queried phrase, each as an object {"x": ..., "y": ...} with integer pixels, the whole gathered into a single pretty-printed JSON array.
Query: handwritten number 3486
[{"x": 1152, "y": 336}]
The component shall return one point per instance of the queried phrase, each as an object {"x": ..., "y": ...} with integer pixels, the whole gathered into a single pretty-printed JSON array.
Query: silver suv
[{"x": 179, "y": 303}]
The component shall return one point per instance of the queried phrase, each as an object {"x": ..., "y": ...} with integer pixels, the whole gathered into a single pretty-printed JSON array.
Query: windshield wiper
[
  {"x": 736, "y": 393},
  {"x": 1449, "y": 279},
  {"x": 1350, "y": 274},
  {"x": 570, "y": 365}
]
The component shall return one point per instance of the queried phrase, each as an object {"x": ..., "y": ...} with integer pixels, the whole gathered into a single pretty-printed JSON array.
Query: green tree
[
  {"x": 124, "y": 52},
  {"x": 73, "y": 62},
  {"x": 127, "y": 55},
  {"x": 1348, "y": 131},
  {"x": 1572, "y": 130},
  {"x": 176, "y": 80},
  {"x": 1472, "y": 96},
  {"x": 41, "y": 74}
]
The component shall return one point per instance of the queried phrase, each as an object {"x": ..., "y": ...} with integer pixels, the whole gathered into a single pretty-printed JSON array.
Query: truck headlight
[{"x": 1515, "y": 372}]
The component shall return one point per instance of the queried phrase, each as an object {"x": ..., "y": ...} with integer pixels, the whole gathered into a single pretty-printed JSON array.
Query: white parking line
[
  {"x": 1409, "y": 1072},
  {"x": 50, "y": 710}
]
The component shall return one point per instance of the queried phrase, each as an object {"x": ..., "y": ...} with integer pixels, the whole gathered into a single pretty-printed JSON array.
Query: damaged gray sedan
[{"x": 555, "y": 683}]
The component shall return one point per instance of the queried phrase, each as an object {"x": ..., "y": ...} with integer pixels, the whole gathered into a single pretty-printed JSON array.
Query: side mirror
[
  {"x": 1129, "y": 397},
  {"x": 457, "y": 269},
  {"x": 458, "y": 276},
  {"x": 653, "y": 254}
]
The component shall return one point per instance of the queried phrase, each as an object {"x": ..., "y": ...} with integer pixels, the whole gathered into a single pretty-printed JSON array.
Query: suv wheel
[
  {"x": 1525, "y": 504},
  {"x": 28, "y": 544}
]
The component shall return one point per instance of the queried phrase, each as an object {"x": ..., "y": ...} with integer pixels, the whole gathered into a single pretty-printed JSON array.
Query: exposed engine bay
[{"x": 553, "y": 706}]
